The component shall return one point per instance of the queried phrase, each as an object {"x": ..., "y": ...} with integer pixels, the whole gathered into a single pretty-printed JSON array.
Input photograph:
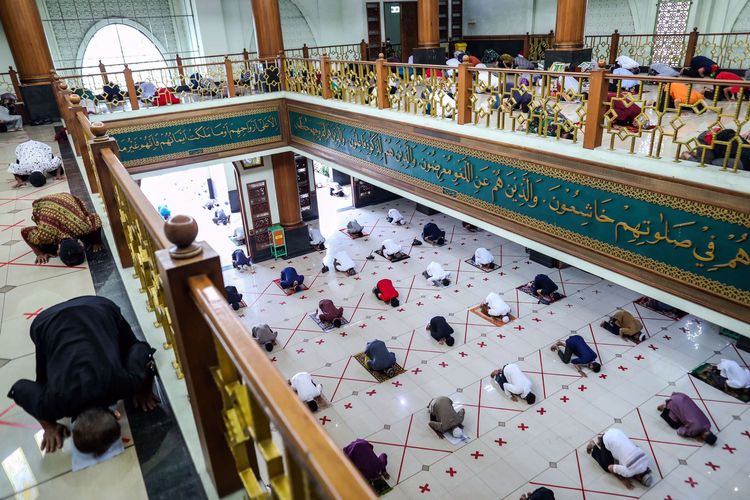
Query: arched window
[{"x": 118, "y": 44}]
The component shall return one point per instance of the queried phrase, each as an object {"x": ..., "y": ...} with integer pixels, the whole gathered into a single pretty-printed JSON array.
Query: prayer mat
[
  {"x": 379, "y": 376},
  {"x": 470, "y": 261},
  {"x": 707, "y": 374},
  {"x": 495, "y": 321},
  {"x": 322, "y": 402},
  {"x": 326, "y": 327},
  {"x": 543, "y": 299},
  {"x": 343, "y": 230},
  {"x": 676, "y": 314},
  {"x": 288, "y": 292},
  {"x": 395, "y": 258},
  {"x": 380, "y": 486}
]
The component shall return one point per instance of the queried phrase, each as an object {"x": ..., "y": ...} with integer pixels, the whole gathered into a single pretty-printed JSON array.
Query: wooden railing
[{"x": 235, "y": 392}]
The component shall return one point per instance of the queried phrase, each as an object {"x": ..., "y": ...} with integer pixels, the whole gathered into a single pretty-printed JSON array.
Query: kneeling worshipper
[
  {"x": 585, "y": 356},
  {"x": 385, "y": 291},
  {"x": 443, "y": 418},
  {"x": 625, "y": 109},
  {"x": 736, "y": 376},
  {"x": 306, "y": 389},
  {"x": 379, "y": 358},
  {"x": 234, "y": 297},
  {"x": 662, "y": 69},
  {"x": 370, "y": 465},
  {"x": 395, "y": 217},
  {"x": 483, "y": 258},
  {"x": 336, "y": 190},
  {"x": 433, "y": 234},
  {"x": 701, "y": 67},
  {"x": 543, "y": 285},
  {"x": 329, "y": 313},
  {"x": 724, "y": 92},
  {"x": 290, "y": 280},
  {"x": 355, "y": 228},
  {"x": 541, "y": 493},
  {"x": 624, "y": 324},
  {"x": 496, "y": 307},
  {"x": 317, "y": 241},
  {"x": 629, "y": 64},
  {"x": 618, "y": 455},
  {"x": 87, "y": 359},
  {"x": 240, "y": 261},
  {"x": 681, "y": 94},
  {"x": 441, "y": 331},
  {"x": 34, "y": 157},
  {"x": 266, "y": 337},
  {"x": 390, "y": 248},
  {"x": 437, "y": 275},
  {"x": 61, "y": 221},
  {"x": 681, "y": 413},
  {"x": 624, "y": 84},
  {"x": 343, "y": 263},
  {"x": 514, "y": 383}
]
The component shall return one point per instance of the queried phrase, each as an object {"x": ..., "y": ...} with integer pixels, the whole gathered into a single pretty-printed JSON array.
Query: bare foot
[
  {"x": 661, "y": 407},
  {"x": 18, "y": 184},
  {"x": 590, "y": 447}
]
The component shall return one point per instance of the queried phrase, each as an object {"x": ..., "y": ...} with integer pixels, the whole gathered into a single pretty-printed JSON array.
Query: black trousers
[
  {"x": 672, "y": 423},
  {"x": 565, "y": 354},
  {"x": 602, "y": 456},
  {"x": 611, "y": 327}
]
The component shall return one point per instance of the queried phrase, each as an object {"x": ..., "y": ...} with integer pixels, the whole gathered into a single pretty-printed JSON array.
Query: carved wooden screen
[{"x": 671, "y": 23}]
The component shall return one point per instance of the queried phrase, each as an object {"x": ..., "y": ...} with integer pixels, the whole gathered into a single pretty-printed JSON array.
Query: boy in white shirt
[
  {"x": 514, "y": 383},
  {"x": 436, "y": 274},
  {"x": 306, "y": 389}
]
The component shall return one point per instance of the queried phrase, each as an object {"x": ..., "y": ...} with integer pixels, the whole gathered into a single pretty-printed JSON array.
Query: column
[
  {"x": 428, "y": 33},
  {"x": 267, "y": 19},
  {"x": 428, "y": 49},
  {"x": 287, "y": 196},
  {"x": 569, "y": 35},
  {"x": 28, "y": 44}
]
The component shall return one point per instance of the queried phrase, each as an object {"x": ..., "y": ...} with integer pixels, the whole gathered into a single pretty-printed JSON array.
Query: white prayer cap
[
  {"x": 506, "y": 319},
  {"x": 457, "y": 432}
]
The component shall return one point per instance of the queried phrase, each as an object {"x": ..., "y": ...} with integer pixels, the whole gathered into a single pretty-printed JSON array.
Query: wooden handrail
[
  {"x": 146, "y": 212},
  {"x": 334, "y": 474}
]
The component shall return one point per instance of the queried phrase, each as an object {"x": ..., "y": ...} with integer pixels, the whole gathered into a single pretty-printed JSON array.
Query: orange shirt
[{"x": 679, "y": 91}]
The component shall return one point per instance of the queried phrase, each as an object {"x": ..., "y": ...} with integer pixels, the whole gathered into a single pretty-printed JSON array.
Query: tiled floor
[
  {"x": 515, "y": 448},
  {"x": 25, "y": 290}
]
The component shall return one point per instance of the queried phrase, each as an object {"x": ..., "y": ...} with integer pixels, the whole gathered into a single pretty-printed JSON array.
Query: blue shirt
[
  {"x": 581, "y": 349},
  {"x": 699, "y": 62},
  {"x": 380, "y": 357}
]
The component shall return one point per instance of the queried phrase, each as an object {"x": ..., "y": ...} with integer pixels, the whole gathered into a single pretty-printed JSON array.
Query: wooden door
[{"x": 408, "y": 29}]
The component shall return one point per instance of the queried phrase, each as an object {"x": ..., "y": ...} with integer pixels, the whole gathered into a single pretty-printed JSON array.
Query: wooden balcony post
[
  {"x": 363, "y": 51},
  {"x": 74, "y": 126},
  {"x": 526, "y": 45},
  {"x": 282, "y": 71},
  {"x": 103, "y": 72},
  {"x": 381, "y": 82},
  {"x": 100, "y": 142},
  {"x": 325, "y": 76},
  {"x": 692, "y": 44},
  {"x": 463, "y": 100},
  {"x": 305, "y": 51},
  {"x": 180, "y": 69},
  {"x": 14, "y": 80},
  {"x": 194, "y": 342},
  {"x": 132, "y": 92},
  {"x": 592, "y": 137},
  {"x": 614, "y": 46},
  {"x": 231, "y": 90}
]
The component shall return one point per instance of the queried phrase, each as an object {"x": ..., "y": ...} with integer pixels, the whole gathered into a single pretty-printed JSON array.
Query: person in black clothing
[
  {"x": 87, "y": 359},
  {"x": 441, "y": 331}
]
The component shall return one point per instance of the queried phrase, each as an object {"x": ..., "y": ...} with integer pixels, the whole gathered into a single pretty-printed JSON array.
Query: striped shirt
[{"x": 58, "y": 217}]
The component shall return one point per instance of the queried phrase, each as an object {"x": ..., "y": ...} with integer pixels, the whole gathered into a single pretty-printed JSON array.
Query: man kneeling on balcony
[
  {"x": 585, "y": 356},
  {"x": 290, "y": 280},
  {"x": 433, "y": 234},
  {"x": 385, "y": 291},
  {"x": 266, "y": 337},
  {"x": 61, "y": 221},
  {"x": 379, "y": 358},
  {"x": 307, "y": 390},
  {"x": 87, "y": 359},
  {"x": 329, "y": 313},
  {"x": 437, "y": 275},
  {"x": 370, "y": 465},
  {"x": 681, "y": 413}
]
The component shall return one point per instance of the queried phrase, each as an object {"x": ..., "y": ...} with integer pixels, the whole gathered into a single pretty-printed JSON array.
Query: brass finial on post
[{"x": 181, "y": 230}]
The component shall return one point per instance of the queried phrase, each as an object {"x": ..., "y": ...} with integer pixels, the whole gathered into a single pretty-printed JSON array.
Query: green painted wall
[{"x": 695, "y": 243}]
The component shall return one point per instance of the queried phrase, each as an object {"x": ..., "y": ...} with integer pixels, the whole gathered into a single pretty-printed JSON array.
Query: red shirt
[
  {"x": 387, "y": 292},
  {"x": 726, "y": 75},
  {"x": 164, "y": 97}
]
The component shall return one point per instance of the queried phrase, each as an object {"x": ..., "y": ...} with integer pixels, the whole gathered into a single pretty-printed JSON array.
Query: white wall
[{"x": 6, "y": 58}]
